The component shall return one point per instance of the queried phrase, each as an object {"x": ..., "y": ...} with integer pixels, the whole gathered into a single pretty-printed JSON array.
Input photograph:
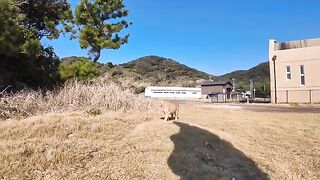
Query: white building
[
  {"x": 172, "y": 92},
  {"x": 295, "y": 71}
]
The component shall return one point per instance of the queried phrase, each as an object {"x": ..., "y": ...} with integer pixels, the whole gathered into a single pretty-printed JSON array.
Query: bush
[
  {"x": 82, "y": 69},
  {"x": 117, "y": 72},
  {"x": 110, "y": 65},
  {"x": 190, "y": 84},
  {"x": 22, "y": 71},
  {"x": 139, "y": 90},
  {"x": 94, "y": 112}
]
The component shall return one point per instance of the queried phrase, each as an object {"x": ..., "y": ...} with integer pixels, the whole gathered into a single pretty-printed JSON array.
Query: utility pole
[
  {"x": 233, "y": 85},
  {"x": 274, "y": 58},
  {"x": 210, "y": 77},
  {"x": 251, "y": 89}
]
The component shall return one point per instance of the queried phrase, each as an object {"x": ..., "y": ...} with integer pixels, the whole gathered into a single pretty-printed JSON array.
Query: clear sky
[{"x": 215, "y": 36}]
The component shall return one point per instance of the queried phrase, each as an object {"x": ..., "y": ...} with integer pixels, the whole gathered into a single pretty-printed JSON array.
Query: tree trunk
[{"x": 96, "y": 58}]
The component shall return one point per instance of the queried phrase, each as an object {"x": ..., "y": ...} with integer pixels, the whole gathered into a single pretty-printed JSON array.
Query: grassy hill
[{"x": 161, "y": 70}]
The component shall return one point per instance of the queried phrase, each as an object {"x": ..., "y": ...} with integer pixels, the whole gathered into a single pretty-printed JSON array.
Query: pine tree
[{"x": 99, "y": 23}]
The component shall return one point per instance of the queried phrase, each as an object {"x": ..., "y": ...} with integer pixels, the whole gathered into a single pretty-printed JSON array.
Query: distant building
[
  {"x": 295, "y": 71},
  {"x": 172, "y": 92},
  {"x": 222, "y": 88}
]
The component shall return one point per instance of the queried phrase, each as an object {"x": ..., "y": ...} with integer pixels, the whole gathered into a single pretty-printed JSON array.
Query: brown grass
[
  {"x": 41, "y": 147},
  {"x": 138, "y": 145},
  {"x": 285, "y": 145},
  {"x": 72, "y": 96}
]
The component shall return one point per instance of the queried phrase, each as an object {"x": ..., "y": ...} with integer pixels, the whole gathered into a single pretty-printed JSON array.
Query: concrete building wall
[{"x": 294, "y": 54}]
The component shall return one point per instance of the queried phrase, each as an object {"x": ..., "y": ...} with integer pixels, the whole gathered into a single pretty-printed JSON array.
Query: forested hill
[
  {"x": 259, "y": 74},
  {"x": 155, "y": 66}
]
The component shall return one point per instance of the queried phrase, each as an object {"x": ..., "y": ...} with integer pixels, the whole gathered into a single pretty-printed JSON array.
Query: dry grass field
[{"x": 207, "y": 142}]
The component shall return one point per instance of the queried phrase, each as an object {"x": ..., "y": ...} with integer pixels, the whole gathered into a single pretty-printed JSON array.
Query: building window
[
  {"x": 288, "y": 72},
  {"x": 194, "y": 92},
  {"x": 302, "y": 76},
  {"x": 184, "y": 93},
  {"x": 177, "y": 92}
]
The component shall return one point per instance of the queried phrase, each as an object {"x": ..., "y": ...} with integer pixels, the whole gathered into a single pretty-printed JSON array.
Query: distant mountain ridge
[
  {"x": 155, "y": 65},
  {"x": 260, "y": 74},
  {"x": 164, "y": 71},
  {"x": 170, "y": 70}
]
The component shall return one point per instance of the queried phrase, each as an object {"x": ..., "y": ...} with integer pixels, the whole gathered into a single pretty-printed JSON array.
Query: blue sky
[{"x": 215, "y": 36}]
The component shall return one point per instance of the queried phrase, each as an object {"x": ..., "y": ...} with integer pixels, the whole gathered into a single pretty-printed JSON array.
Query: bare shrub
[
  {"x": 94, "y": 112},
  {"x": 71, "y": 97}
]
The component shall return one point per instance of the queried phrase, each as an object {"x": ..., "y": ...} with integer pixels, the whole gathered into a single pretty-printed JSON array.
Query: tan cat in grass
[{"x": 169, "y": 109}]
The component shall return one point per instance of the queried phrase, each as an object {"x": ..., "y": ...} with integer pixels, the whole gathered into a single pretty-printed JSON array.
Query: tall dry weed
[{"x": 71, "y": 97}]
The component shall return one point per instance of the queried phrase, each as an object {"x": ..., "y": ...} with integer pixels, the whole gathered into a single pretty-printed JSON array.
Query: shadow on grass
[{"x": 199, "y": 154}]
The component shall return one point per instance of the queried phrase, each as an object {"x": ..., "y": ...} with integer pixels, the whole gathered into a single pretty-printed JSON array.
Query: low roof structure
[
  {"x": 216, "y": 83},
  {"x": 219, "y": 87}
]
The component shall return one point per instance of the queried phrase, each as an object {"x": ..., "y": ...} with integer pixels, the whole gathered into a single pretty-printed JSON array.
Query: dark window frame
[{"x": 302, "y": 75}]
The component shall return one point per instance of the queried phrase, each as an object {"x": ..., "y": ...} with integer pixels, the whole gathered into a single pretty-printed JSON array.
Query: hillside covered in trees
[
  {"x": 161, "y": 70},
  {"x": 167, "y": 70},
  {"x": 259, "y": 74}
]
